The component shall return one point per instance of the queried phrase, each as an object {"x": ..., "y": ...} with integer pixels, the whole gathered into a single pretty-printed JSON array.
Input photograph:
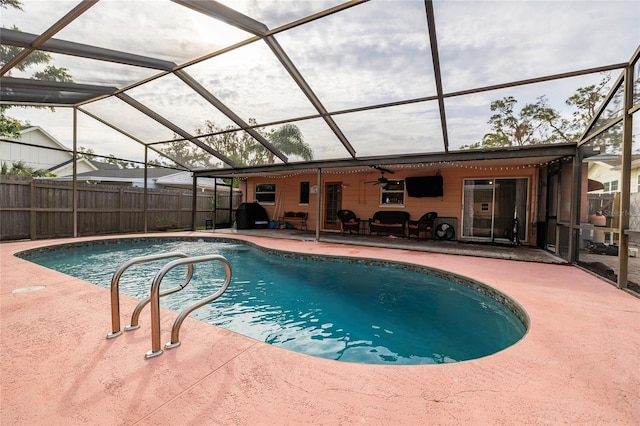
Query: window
[
  {"x": 266, "y": 193},
  {"x": 638, "y": 183},
  {"x": 392, "y": 194},
  {"x": 304, "y": 192},
  {"x": 610, "y": 186}
]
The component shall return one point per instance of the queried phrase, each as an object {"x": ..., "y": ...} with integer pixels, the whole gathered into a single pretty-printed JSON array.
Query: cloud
[
  {"x": 349, "y": 61},
  {"x": 372, "y": 53},
  {"x": 483, "y": 42}
]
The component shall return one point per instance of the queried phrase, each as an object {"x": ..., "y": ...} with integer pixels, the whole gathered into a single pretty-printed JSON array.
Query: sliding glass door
[{"x": 489, "y": 207}]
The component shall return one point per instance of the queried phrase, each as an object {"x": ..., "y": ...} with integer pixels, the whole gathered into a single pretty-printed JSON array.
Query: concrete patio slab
[{"x": 576, "y": 365}]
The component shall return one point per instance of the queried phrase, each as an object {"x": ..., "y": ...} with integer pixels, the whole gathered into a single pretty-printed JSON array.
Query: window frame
[
  {"x": 305, "y": 191},
  {"x": 384, "y": 202},
  {"x": 611, "y": 186},
  {"x": 264, "y": 197}
]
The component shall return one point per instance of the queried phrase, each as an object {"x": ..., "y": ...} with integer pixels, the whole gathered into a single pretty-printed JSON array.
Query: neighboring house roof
[
  {"x": 138, "y": 173},
  {"x": 99, "y": 171},
  {"x": 160, "y": 176},
  {"x": 24, "y": 131},
  {"x": 604, "y": 169},
  {"x": 101, "y": 165},
  {"x": 66, "y": 168},
  {"x": 614, "y": 161},
  {"x": 39, "y": 149}
]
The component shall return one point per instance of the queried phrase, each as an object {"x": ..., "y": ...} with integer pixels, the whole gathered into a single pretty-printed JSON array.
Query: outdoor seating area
[
  {"x": 422, "y": 225},
  {"x": 294, "y": 219},
  {"x": 349, "y": 222},
  {"x": 389, "y": 222}
]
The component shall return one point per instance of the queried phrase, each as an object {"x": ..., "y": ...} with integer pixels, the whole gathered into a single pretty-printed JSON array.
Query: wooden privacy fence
[{"x": 36, "y": 208}]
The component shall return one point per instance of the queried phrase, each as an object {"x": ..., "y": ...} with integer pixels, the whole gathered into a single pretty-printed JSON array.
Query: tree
[
  {"x": 19, "y": 168},
  {"x": 586, "y": 100},
  {"x": 122, "y": 164},
  {"x": 289, "y": 140},
  {"x": 239, "y": 147},
  {"x": 16, "y": 4},
  {"x": 9, "y": 126},
  {"x": 87, "y": 153},
  {"x": 186, "y": 153},
  {"x": 538, "y": 123}
]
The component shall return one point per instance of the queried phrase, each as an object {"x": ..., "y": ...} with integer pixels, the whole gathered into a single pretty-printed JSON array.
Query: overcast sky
[{"x": 370, "y": 54}]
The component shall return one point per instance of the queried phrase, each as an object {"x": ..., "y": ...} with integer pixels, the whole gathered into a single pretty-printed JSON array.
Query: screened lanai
[{"x": 213, "y": 88}]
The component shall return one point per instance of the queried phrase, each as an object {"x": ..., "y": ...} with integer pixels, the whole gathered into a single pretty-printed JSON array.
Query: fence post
[
  {"x": 33, "y": 222},
  {"x": 121, "y": 210}
]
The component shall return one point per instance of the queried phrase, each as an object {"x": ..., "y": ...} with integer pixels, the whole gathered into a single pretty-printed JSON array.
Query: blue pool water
[{"x": 355, "y": 311}]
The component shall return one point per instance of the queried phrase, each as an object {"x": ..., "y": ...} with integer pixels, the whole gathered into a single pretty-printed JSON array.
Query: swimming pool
[{"x": 354, "y": 310}]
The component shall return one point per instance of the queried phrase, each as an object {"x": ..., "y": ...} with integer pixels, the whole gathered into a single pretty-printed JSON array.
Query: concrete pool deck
[{"x": 578, "y": 364}]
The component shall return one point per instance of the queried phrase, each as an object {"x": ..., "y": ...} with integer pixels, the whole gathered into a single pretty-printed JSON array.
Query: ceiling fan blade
[{"x": 383, "y": 170}]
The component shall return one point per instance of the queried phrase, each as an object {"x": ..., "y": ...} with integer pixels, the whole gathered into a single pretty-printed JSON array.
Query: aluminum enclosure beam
[
  {"x": 46, "y": 85},
  {"x": 38, "y": 41},
  {"x": 29, "y": 92},
  {"x": 191, "y": 82},
  {"x": 225, "y": 14},
  {"x": 132, "y": 137},
  {"x": 232, "y": 17},
  {"x": 308, "y": 92},
  {"x": 26, "y": 40},
  {"x": 554, "y": 151},
  {"x": 431, "y": 23},
  {"x": 147, "y": 111}
]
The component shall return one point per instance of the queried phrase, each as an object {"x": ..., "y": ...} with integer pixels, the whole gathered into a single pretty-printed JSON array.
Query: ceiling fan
[{"x": 381, "y": 180}]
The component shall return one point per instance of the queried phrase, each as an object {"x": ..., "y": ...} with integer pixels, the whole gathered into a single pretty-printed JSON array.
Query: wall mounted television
[{"x": 424, "y": 186}]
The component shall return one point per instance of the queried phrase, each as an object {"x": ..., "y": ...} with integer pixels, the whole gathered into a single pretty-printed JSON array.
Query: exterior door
[
  {"x": 489, "y": 208},
  {"x": 477, "y": 218},
  {"x": 552, "y": 213},
  {"x": 332, "y": 203},
  {"x": 510, "y": 197}
]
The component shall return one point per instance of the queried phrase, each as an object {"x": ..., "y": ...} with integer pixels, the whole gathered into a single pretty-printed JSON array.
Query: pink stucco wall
[{"x": 364, "y": 198}]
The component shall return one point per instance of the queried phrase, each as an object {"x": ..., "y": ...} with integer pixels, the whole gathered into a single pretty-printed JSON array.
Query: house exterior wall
[
  {"x": 364, "y": 198},
  {"x": 34, "y": 157},
  {"x": 67, "y": 169},
  {"x": 605, "y": 173},
  {"x": 635, "y": 178}
]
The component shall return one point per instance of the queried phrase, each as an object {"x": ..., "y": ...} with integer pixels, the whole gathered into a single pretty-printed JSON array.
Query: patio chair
[
  {"x": 349, "y": 221},
  {"x": 424, "y": 224}
]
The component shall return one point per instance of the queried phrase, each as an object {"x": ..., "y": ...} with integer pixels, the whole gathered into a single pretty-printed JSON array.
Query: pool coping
[{"x": 575, "y": 365}]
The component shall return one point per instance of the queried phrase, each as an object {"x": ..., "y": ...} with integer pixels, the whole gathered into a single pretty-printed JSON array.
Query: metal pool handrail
[
  {"x": 155, "y": 301},
  {"x": 115, "y": 287},
  {"x": 135, "y": 316}
]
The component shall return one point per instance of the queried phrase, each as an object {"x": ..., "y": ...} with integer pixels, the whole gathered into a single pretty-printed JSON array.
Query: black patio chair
[
  {"x": 424, "y": 224},
  {"x": 349, "y": 221}
]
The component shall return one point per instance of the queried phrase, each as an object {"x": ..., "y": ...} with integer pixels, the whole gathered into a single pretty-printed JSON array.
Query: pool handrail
[
  {"x": 155, "y": 300},
  {"x": 115, "y": 285},
  {"x": 135, "y": 316}
]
